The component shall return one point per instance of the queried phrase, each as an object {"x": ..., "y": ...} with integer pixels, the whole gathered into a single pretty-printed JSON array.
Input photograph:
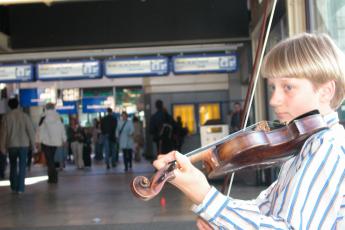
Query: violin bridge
[{"x": 262, "y": 126}]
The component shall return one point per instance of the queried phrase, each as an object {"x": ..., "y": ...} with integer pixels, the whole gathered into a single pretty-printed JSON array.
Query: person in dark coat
[
  {"x": 236, "y": 118},
  {"x": 87, "y": 147},
  {"x": 108, "y": 129},
  {"x": 162, "y": 129},
  {"x": 3, "y": 159},
  {"x": 180, "y": 133}
]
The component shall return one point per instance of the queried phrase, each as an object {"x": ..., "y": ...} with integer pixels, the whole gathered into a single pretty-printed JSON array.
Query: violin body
[
  {"x": 262, "y": 149},
  {"x": 250, "y": 148}
]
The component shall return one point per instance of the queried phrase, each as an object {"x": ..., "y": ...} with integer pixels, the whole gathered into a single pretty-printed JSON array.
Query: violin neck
[
  {"x": 200, "y": 156},
  {"x": 205, "y": 151}
]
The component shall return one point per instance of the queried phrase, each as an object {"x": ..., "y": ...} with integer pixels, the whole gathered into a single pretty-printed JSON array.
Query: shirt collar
[{"x": 331, "y": 119}]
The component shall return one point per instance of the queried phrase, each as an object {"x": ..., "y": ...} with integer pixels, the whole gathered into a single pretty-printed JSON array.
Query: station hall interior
[{"x": 85, "y": 56}]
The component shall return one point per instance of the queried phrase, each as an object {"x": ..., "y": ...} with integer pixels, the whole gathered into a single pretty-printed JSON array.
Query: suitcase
[{"x": 87, "y": 155}]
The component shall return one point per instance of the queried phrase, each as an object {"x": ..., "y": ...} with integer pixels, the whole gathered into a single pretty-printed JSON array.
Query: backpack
[{"x": 166, "y": 131}]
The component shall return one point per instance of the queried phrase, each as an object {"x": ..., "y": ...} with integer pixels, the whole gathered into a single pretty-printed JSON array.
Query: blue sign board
[
  {"x": 28, "y": 97},
  {"x": 68, "y": 107},
  {"x": 68, "y": 70},
  {"x": 16, "y": 73},
  {"x": 94, "y": 104},
  {"x": 205, "y": 63},
  {"x": 125, "y": 67}
]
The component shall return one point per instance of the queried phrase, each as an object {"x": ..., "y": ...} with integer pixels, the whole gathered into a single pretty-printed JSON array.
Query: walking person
[
  {"x": 125, "y": 132},
  {"x": 108, "y": 129},
  {"x": 235, "y": 123},
  {"x": 51, "y": 135},
  {"x": 77, "y": 145},
  {"x": 3, "y": 164},
  {"x": 87, "y": 143},
  {"x": 17, "y": 137},
  {"x": 162, "y": 128},
  {"x": 3, "y": 157},
  {"x": 97, "y": 140},
  {"x": 138, "y": 138},
  {"x": 180, "y": 133}
]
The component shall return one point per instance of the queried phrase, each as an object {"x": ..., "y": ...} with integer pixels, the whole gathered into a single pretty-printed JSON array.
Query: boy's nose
[{"x": 276, "y": 99}]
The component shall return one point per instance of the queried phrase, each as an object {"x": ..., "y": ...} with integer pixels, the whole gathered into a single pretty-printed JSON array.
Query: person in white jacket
[
  {"x": 51, "y": 135},
  {"x": 124, "y": 132}
]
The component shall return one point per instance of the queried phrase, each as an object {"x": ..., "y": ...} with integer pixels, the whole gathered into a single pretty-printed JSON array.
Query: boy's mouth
[{"x": 281, "y": 115}]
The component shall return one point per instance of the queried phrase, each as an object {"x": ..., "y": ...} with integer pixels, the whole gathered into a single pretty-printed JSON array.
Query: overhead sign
[
  {"x": 28, "y": 97},
  {"x": 16, "y": 73},
  {"x": 67, "y": 107},
  {"x": 95, "y": 104},
  {"x": 153, "y": 66},
  {"x": 205, "y": 63},
  {"x": 68, "y": 70},
  {"x": 35, "y": 97}
]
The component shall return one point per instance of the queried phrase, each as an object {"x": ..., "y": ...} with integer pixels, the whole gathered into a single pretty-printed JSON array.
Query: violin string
[
  {"x": 257, "y": 75},
  {"x": 224, "y": 139},
  {"x": 218, "y": 142}
]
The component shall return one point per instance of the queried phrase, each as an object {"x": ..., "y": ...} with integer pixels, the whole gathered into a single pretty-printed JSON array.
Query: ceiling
[{"x": 69, "y": 25}]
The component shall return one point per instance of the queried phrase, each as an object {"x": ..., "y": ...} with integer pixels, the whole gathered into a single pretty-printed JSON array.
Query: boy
[{"x": 304, "y": 73}]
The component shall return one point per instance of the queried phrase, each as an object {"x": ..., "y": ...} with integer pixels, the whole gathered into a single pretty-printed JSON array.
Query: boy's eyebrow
[{"x": 285, "y": 80}]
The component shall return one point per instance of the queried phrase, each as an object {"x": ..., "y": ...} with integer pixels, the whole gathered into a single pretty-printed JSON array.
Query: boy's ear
[{"x": 327, "y": 91}]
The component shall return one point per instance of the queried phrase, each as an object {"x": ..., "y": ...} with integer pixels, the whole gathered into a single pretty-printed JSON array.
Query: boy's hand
[
  {"x": 188, "y": 178},
  {"x": 203, "y": 224}
]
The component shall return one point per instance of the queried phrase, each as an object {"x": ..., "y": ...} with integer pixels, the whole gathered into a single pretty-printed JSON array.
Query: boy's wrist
[{"x": 199, "y": 198}]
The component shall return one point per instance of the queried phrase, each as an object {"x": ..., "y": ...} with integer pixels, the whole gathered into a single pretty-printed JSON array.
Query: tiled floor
[{"x": 97, "y": 198}]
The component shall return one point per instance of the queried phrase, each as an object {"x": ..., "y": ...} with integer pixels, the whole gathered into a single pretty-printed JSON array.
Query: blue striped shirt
[{"x": 308, "y": 194}]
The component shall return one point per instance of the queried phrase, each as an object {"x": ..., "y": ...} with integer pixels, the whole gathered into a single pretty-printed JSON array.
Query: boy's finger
[
  {"x": 164, "y": 159},
  {"x": 182, "y": 160},
  {"x": 158, "y": 164}
]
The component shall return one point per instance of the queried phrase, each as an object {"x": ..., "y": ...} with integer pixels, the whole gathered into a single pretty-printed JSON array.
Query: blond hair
[{"x": 309, "y": 56}]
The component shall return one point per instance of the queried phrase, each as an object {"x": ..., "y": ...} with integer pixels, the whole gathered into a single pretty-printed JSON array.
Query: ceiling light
[
  {"x": 47, "y": 2},
  {"x": 11, "y": 2}
]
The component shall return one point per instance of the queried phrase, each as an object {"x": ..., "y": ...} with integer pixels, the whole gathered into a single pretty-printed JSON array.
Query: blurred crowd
[{"x": 55, "y": 144}]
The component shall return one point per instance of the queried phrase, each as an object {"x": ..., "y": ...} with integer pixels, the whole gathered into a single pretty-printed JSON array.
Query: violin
[{"x": 261, "y": 145}]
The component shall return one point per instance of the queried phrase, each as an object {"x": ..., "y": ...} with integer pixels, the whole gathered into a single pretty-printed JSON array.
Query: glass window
[
  {"x": 187, "y": 114},
  {"x": 328, "y": 16},
  {"x": 98, "y": 92},
  {"x": 130, "y": 99},
  {"x": 209, "y": 111},
  {"x": 69, "y": 94}
]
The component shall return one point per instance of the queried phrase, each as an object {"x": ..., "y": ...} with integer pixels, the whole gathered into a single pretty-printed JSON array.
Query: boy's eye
[
  {"x": 288, "y": 87},
  {"x": 272, "y": 87}
]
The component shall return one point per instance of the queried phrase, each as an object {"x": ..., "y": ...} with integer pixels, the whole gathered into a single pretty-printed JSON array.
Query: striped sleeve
[
  {"x": 312, "y": 199},
  {"x": 228, "y": 213}
]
